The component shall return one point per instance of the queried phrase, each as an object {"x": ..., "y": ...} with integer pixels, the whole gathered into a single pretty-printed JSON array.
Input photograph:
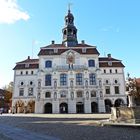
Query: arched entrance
[
  {"x": 63, "y": 108},
  {"x": 48, "y": 108},
  {"x": 94, "y": 107},
  {"x": 118, "y": 103},
  {"x": 80, "y": 107},
  {"x": 31, "y": 107},
  {"x": 108, "y": 105},
  {"x": 19, "y": 106}
]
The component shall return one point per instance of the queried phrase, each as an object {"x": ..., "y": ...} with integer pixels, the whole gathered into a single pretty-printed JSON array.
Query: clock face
[{"x": 70, "y": 58}]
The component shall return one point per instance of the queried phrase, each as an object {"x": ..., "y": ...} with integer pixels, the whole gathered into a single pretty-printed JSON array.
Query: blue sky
[{"x": 112, "y": 25}]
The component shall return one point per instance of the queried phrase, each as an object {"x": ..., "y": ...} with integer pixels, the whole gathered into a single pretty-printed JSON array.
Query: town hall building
[{"x": 69, "y": 77}]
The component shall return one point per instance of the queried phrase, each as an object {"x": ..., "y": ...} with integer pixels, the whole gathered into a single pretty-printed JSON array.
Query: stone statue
[{"x": 133, "y": 91}]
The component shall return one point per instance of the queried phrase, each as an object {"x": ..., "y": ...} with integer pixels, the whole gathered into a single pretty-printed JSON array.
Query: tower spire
[
  {"x": 69, "y": 31},
  {"x": 69, "y": 5}
]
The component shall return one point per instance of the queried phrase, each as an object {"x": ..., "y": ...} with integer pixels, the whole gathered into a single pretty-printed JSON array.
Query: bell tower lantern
[{"x": 69, "y": 31}]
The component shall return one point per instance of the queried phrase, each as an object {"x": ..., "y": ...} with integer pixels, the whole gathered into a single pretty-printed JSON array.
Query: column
[{"x": 55, "y": 107}]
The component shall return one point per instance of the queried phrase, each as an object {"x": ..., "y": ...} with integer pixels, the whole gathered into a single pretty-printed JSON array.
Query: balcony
[{"x": 67, "y": 68}]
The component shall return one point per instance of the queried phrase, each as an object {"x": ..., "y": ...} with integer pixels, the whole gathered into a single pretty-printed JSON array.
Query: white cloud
[
  {"x": 110, "y": 29},
  {"x": 10, "y": 12}
]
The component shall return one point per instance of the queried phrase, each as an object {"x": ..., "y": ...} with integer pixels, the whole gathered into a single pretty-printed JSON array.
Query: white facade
[{"x": 68, "y": 79}]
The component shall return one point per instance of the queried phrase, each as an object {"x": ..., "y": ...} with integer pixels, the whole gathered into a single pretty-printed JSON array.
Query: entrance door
[
  {"x": 48, "y": 108},
  {"x": 108, "y": 105},
  {"x": 63, "y": 108},
  {"x": 80, "y": 107},
  {"x": 94, "y": 107},
  {"x": 118, "y": 102}
]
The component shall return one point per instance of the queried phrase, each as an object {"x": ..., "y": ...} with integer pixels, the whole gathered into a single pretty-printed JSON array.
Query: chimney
[
  {"x": 28, "y": 57},
  {"x": 83, "y": 41},
  {"x": 53, "y": 41},
  {"x": 109, "y": 55}
]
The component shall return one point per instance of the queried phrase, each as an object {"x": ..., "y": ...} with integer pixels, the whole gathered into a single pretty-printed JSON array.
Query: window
[
  {"x": 107, "y": 82},
  {"x": 27, "y": 65},
  {"x": 110, "y": 63},
  {"x": 79, "y": 94},
  {"x": 26, "y": 72},
  {"x": 91, "y": 63},
  {"x": 30, "y": 91},
  {"x": 63, "y": 94},
  {"x": 92, "y": 79},
  {"x": 63, "y": 79},
  {"x": 21, "y": 91},
  {"x": 48, "y": 64},
  {"x": 21, "y": 83},
  {"x": 83, "y": 50},
  {"x": 116, "y": 71},
  {"x": 79, "y": 80},
  {"x": 110, "y": 70},
  {"x": 93, "y": 93},
  {"x": 21, "y": 72},
  {"x": 31, "y": 83},
  {"x": 55, "y": 50},
  {"x": 32, "y": 72},
  {"x": 104, "y": 71},
  {"x": 107, "y": 90},
  {"x": 47, "y": 95},
  {"x": 48, "y": 80},
  {"x": 116, "y": 81},
  {"x": 116, "y": 88}
]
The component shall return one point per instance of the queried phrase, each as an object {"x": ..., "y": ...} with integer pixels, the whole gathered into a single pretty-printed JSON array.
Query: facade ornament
[
  {"x": 87, "y": 95},
  {"x": 55, "y": 96},
  {"x": 72, "y": 95}
]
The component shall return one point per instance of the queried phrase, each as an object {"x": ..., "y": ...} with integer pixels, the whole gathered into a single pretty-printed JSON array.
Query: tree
[{"x": 8, "y": 90}]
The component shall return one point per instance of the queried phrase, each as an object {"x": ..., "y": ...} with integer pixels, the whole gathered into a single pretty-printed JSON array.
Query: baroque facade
[{"x": 68, "y": 78}]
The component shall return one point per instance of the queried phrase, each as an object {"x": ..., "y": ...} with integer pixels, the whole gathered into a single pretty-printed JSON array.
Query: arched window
[
  {"x": 48, "y": 64},
  {"x": 91, "y": 63}
]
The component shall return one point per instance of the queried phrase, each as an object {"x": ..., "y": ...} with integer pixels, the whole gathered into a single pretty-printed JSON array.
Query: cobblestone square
[{"x": 62, "y": 127}]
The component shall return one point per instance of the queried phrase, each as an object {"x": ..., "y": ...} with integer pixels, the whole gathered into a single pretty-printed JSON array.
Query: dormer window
[
  {"x": 55, "y": 50},
  {"x": 91, "y": 63},
  {"x": 109, "y": 63},
  {"x": 27, "y": 65},
  {"x": 48, "y": 64},
  {"x": 83, "y": 50}
]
